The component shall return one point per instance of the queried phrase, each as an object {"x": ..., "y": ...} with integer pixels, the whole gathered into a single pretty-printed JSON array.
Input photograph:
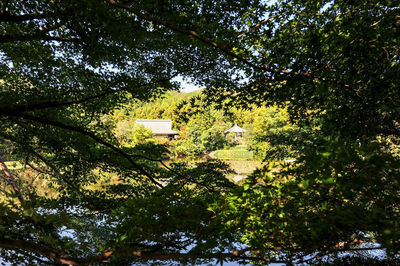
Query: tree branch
[
  {"x": 259, "y": 24},
  {"x": 51, "y": 253},
  {"x": 52, "y": 167},
  {"x": 204, "y": 40},
  {"x": 176, "y": 173},
  {"x": 53, "y": 104},
  {"x": 38, "y": 36},
  {"x": 7, "y": 17},
  {"x": 11, "y": 181},
  {"x": 152, "y": 253},
  {"x": 56, "y": 104},
  {"x": 88, "y": 134},
  {"x": 182, "y": 256},
  {"x": 148, "y": 255},
  {"x": 41, "y": 158}
]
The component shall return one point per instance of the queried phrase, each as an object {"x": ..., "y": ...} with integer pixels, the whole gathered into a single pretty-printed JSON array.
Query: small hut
[
  {"x": 237, "y": 130},
  {"x": 159, "y": 127}
]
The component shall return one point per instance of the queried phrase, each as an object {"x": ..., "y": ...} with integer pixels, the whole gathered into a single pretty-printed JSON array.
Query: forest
[{"x": 315, "y": 83}]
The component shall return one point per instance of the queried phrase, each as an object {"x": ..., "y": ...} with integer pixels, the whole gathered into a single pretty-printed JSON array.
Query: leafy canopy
[{"x": 64, "y": 64}]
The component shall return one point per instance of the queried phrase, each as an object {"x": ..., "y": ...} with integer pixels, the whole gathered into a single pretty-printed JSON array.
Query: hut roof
[
  {"x": 158, "y": 126},
  {"x": 235, "y": 129}
]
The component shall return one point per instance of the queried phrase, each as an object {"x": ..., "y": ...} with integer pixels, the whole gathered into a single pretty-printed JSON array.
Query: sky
[{"x": 187, "y": 86}]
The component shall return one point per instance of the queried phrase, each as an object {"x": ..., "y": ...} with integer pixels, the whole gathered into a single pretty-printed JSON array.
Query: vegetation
[
  {"x": 314, "y": 80},
  {"x": 201, "y": 126},
  {"x": 235, "y": 153}
]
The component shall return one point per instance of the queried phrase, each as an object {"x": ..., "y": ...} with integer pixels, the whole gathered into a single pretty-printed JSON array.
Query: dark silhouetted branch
[
  {"x": 88, "y": 134},
  {"x": 204, "y": 40},
  {"x": 56, "y": 104},
  {"x": 36, "y": 37},
  {"x": 7, "y": 17}
]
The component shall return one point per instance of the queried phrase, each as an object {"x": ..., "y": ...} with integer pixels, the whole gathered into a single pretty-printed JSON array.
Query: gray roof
[
  {"x": 235, "y": 129},
  {"x": 158, "y": 126}
]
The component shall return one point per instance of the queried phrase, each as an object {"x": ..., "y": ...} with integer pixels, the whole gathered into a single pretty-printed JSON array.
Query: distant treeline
[{"x": 201, "y": 126}]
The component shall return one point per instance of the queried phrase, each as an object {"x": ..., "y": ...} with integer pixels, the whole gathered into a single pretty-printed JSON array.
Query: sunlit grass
[{"x": 239, "y": 152}]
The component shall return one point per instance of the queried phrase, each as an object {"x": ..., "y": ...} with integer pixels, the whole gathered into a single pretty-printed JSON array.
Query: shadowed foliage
[{"x": 82, "y": 197}]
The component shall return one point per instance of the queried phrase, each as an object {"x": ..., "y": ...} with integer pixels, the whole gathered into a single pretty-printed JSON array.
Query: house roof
[
  {"x": 236, "y": 129},
  {"x": 158, "y": 126}
]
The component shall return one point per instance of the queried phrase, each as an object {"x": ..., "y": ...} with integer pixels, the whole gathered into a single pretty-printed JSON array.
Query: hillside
[{"x": 201, "y": 126}]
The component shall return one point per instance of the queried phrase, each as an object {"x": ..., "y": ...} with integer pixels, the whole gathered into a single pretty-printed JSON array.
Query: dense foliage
[
  {"x": 271, "y": 135},
  {"x": 86, "y": 190}
]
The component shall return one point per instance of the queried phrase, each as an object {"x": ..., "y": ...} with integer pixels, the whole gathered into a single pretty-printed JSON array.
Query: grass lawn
[
  {"x": 234, "y": 153},
  {"x": 244, "y": 167}
]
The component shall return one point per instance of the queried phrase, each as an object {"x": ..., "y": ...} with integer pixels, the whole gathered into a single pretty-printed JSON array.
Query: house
[
  {"x": 159, "y": 127},
  {"x": 237, "y": 130}
]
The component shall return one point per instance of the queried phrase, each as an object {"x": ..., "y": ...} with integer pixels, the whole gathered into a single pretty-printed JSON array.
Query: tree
[
  {"x": 204, "y": 132},
  {"x": 141, "y": 135},
  {"x": 64, "y": 64},
  {"x": 272, "y": 126},
  {"x": 336, "y": 62},
  {"x": 275, "y": 137}
]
